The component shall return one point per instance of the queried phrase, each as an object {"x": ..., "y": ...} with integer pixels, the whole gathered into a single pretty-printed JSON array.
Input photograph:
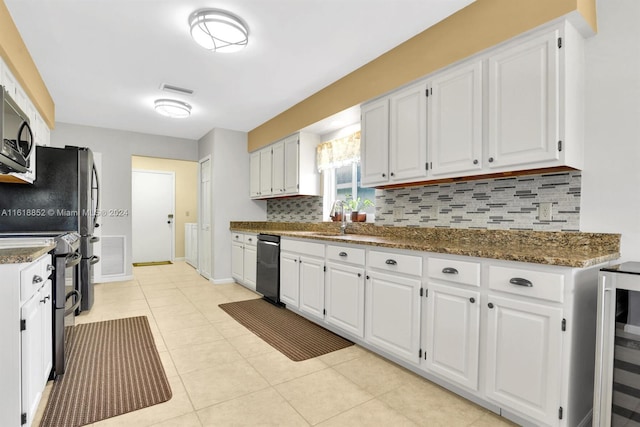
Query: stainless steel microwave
[{"x": 17, "y": 138}]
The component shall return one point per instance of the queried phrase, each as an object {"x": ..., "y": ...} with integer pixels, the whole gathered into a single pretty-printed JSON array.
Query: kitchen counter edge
[{"x": 22, "y": 255}]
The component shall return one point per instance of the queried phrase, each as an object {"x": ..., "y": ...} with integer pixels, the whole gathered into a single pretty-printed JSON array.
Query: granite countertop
[
  {"x": 23, "y": 254},
  {"x": 570, "y": 249}
]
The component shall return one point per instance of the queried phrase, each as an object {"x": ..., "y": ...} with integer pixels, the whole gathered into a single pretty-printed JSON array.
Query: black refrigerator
[{"x": 64, "y": 197}]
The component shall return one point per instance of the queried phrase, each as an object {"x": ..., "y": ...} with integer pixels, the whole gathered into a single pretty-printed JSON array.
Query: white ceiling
[{"x": 103, "y": 61}]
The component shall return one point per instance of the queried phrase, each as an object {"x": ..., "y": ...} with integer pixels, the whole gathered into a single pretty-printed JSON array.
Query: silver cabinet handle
[
  {"x": 47, "y": 298},
  {"x": 391, "y": 262},
  {"x": 342, "y": 254},
  {"x": 250, "y": 239},
  {"x": 449, "y": 270},
  {"x": 50, "y": 267},
  {"x": 36, "y": 279},
  {"x": 519, "y": 281}
]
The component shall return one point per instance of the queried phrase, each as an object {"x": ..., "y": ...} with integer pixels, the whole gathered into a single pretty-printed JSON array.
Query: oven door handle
[
  {"x": 94, "y": 259},
  {"x": 73, "y": 259},
  {"x": 75, "y": 304}
]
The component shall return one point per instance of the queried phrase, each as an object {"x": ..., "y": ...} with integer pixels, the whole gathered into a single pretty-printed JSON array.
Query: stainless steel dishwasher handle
[{"x": 264, "y": 242}]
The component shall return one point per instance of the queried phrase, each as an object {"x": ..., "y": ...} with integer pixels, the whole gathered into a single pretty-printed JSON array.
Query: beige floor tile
[
  {"x": 373, "y": 373},
  {"x": 278, "y": 368},
  {"x": 178, "y": 405},
  {"x": 191, "y": 336},
  {"x": 203, "y": 356},
  {"x": 322, "y": 395},
  {"x": 162, "y": 285},
  {"x": 184, "y": 321},
  {"x": 426, "y": 403},
  {"x": 177, "y": 309},
  {"x": 250, "y": 345},
  {"x": 167, "y": 364},
  {"x": 262, "y": 408},
  {"x": 215, "y": 314},
  {"x": 187, "y": 420},
  {"x": 489, "y": 419},
  {"x": 152, "y": 293},
  {"x": 167, "y": 301},
  {"x": 343, "y": 355},
  {"x": 229, "y": 328},
  {"x": 119, "y": 295},
  {"x": 370, "y": 414},
  {"x": 222, "y": 382}
]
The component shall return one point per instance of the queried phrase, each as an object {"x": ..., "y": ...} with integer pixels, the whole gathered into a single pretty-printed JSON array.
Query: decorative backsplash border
[{"x": 494, "y": 204}]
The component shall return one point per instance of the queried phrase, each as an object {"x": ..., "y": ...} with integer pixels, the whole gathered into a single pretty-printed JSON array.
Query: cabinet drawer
[
  {"x": 303, "y": 248},
  {"x": 530, "y": 283},
  {"x": 397, "y": 263},
  {"x": 463, "y": 272},
  {"x": 251, "y": 239},
  {"x": 34, "y": 276},
  {"x": 344, "y": 254},
  {"x": 237, "y": 237}
]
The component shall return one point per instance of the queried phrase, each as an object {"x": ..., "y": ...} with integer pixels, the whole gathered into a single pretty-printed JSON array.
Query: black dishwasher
[{"x": 268, "y": 274}]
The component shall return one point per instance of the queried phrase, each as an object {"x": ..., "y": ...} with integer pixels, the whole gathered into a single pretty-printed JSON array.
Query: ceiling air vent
[{"x": 176, "y": 89}]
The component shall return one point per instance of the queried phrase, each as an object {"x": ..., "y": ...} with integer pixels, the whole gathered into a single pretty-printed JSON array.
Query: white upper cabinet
[
  {"x": 523, "y": 102},
  {"x": 277, "y": 167},
  {"x": 408, "y": 134},
  {"x": 374, "y": 147},
  {"x": 287, "y": 168},
  {"x": 254, "y": 175},
  {"x": 455, "y": 121}
]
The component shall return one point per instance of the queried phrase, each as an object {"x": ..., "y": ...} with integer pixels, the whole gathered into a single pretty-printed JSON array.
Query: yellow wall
[
  {"x": 15, "y": 54},
  {"x": 480, "y": 25},
  {"x": 186, "y": 191}
]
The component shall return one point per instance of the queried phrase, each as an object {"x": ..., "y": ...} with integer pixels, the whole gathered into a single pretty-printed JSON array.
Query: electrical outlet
[
  {"x": 398, "y": 213},
  {"x": 545, "y": 212}
]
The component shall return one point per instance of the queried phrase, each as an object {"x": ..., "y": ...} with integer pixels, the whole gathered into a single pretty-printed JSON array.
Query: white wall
[
  {"x": 611, "y": 175},
  {"x": 230, "y": 193},
  {"x": 117, "y": 147}
]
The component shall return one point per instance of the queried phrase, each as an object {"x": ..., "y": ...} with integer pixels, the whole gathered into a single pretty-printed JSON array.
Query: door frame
[
  {"x": 173, "y": 207},
  {"x": 208, "y": 275}
]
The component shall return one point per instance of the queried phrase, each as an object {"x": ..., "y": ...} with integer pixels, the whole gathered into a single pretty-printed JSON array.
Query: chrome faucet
[{"x": 343, "y": 225}]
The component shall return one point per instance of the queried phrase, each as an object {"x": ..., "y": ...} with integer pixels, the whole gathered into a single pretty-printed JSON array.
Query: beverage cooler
[{"x": 617, "y": 370}]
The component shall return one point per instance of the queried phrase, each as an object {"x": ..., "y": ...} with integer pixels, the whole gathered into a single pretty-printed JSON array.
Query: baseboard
[
  {"x": 222, "y": 281},
  {"x": 106, "y": 279},
  {"x": 180, "y": 259}
]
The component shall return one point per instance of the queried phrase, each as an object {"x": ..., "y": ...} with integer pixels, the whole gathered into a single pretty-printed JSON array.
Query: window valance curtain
[{"x": 339, "y": 152}]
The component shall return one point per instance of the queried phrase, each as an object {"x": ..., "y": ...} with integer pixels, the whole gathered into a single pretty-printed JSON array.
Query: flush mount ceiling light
[
  {"x": 172, "y": 108},
  {"x": 218, "y": 31}
]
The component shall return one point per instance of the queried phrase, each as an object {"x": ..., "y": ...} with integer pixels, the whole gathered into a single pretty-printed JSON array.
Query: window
[{"x": 343, "y": 182}]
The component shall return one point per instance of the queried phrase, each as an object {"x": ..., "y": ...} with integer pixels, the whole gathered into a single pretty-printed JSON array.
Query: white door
[
  {"x": 345, "y": 298},
  {"x": 152, "y": 212},
  {"x": 277, "y": 166},
  {"x": 204, "y": 219},
  {"x": 237, "y": 261},
  {"x": 374, "y": 147},
  {"x": 453, "y": 333},
  {"x": 254, "y": 174},
  {"x": 408, "y": 134},
  {"x": 289, "y": 273},
  {"x": 291, "y": 164},
  {"x": 312, "y": 286},
  {"x": 266, "y": 187},
  {"x": 250, "y": 266},
  {"x": 455, "y": 120},
  {"x": 524, "y": 343},
  {"x": 392, "y": 310}
]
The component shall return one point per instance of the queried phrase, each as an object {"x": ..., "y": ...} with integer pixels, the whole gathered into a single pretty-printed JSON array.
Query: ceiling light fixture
[
  {"x": 218, "y": 31},
  {"x": 172, "y": 108}
]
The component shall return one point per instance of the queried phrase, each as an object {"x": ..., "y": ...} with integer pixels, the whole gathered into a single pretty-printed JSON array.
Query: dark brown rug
[
  {"x": 113, "y": 367},
  {"x": 291, "y": 334}
]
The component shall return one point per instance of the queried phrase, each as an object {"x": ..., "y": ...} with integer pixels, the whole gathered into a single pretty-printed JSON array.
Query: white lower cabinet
[
  {"x": 302, "y": 276},
  {"x": 345, "y": 297},
  {"x": 312, "y": 286},
  {"x": 244, "y": 259},
  {"x": 524, "y": 357},
  {"x": 452, "y": 333},
  {"x": 392, "y": 307},
  {"x": 289, "y": 279}
]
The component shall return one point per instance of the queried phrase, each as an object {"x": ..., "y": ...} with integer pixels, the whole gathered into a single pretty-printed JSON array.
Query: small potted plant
[{"x": 355, "y": 205}]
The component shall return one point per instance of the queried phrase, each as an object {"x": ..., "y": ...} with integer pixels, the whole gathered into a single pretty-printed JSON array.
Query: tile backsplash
[{"x": 500, "y": 203}]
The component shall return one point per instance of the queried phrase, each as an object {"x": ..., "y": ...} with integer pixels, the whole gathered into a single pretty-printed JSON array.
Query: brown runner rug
[
  {"x": 291, "y": 334},
  {"x": 113, "y": 367}
]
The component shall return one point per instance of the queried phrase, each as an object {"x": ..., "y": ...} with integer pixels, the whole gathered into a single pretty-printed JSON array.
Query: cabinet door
[
  {"x": 455, "y": 120},
  {"x": 289, "y": 284},
  {"x": 345, "y": 298},
  {"x": 523, "y": 103},
  {"x": 392, "y": 310},
  {"x": 265, "y": 172},
  {"x": 408, "y": 134},
  {"x": 452, "y": 323},
  {"x": 250, "y": 266},
  {"x": 32, "y": 361},
  {"x": 524, "y": 354},
  {"x": 237, "y": 261},
  {"x": 254, "y": 174},
  {"x": 47, "y": 326},
  {"x": 291, "y": 165},
  {"x": 374, "y": 144},
  {"x": 312, "y": 286},
  {"x": 278, "y": 168}
]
